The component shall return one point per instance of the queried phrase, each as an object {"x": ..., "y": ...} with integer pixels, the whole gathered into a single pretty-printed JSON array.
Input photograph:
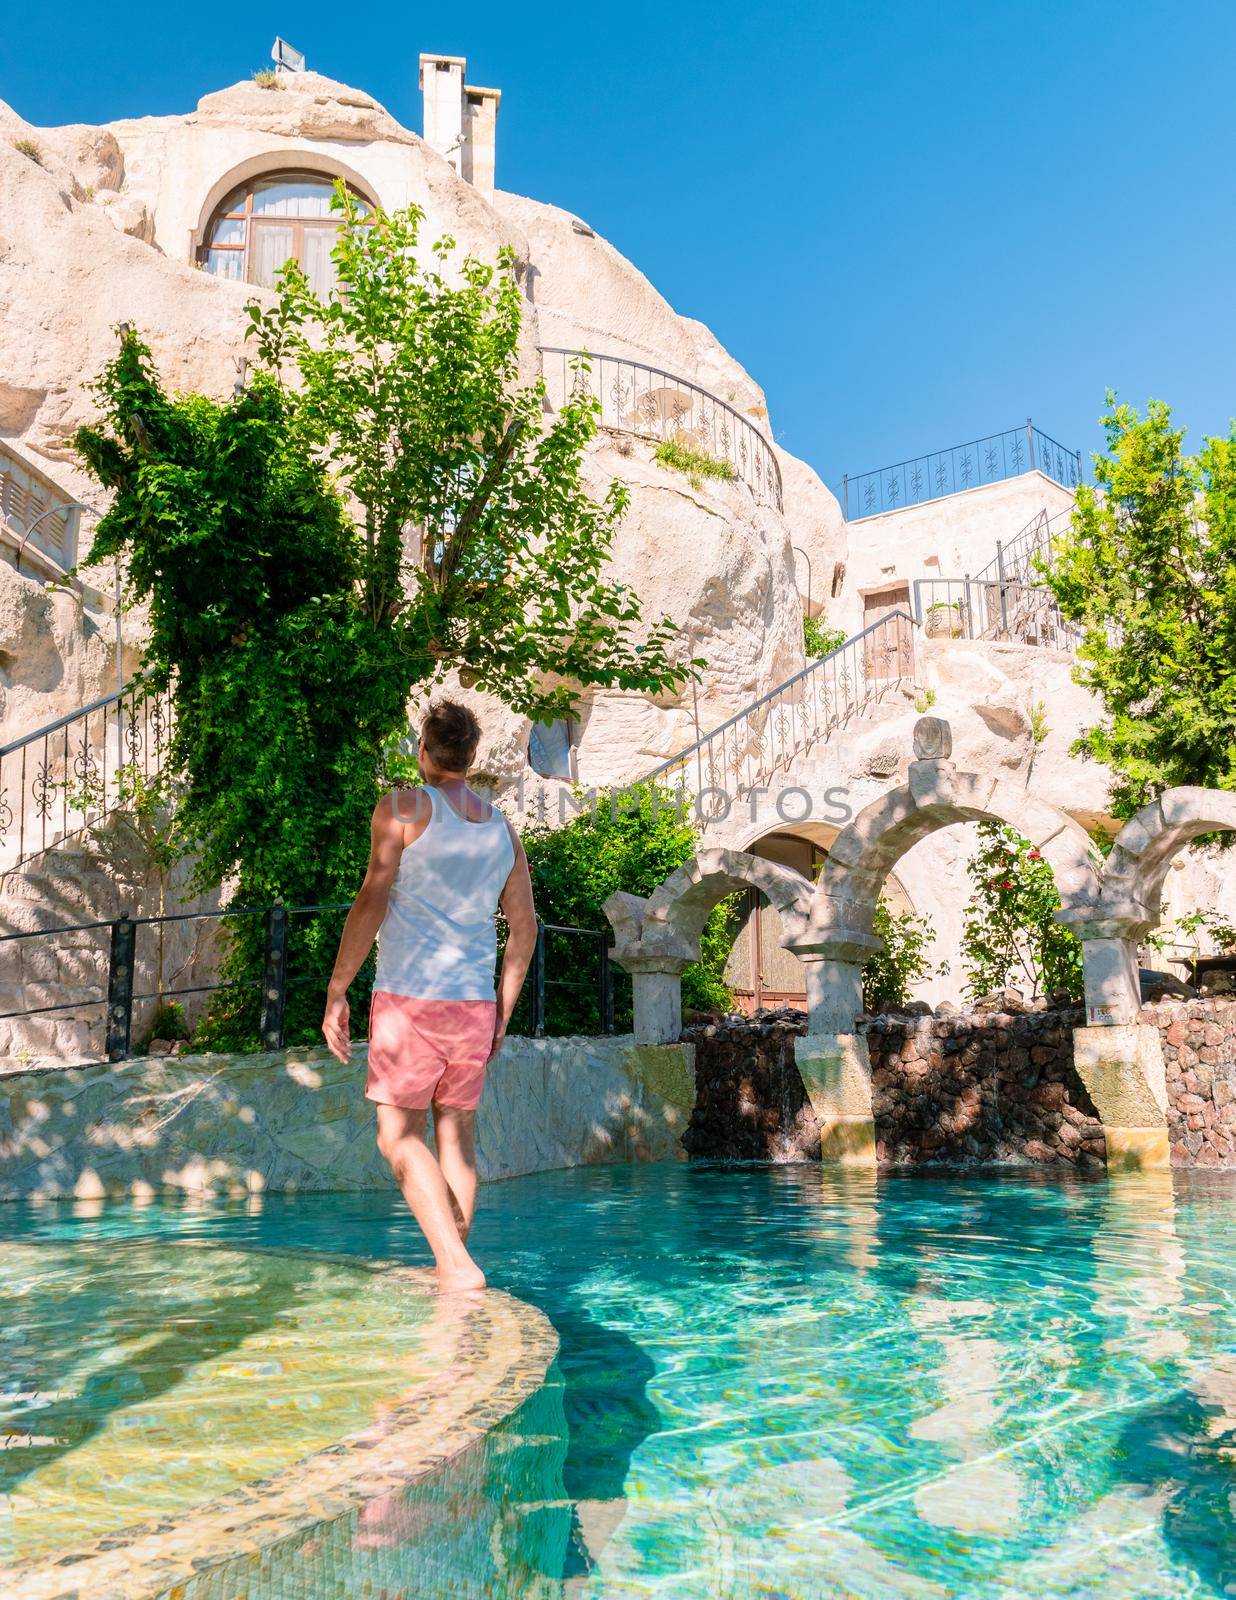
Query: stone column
[
  {"x": 1121, "y": 1065},
  {"x": 1118, "y": 1059},
  {"x": 834, "y": 993},
  {"x": 656, "y": 990},
  {"x": 836, "y": 1073},
  {"x": 1113, "y": 993},
  {"x": 834, "y": 962},
  {"x": 833, "y": 1059}
]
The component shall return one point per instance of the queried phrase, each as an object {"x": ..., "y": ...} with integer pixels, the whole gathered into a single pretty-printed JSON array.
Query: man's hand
[
  {"x": 499, "y": 1036},
  {"x": 335, "y": 1026}
]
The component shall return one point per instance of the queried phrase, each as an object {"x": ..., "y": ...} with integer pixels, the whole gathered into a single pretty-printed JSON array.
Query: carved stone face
[{"x": 933, "y": 739}]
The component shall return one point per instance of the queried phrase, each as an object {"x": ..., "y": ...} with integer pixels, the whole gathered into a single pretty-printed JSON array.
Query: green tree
[
  {"x": 382, "y": 503},
  {"x": 1010, "y": 935},
  {"x": 630, "y": 840},
  {"x": 1147, "y": 571}
]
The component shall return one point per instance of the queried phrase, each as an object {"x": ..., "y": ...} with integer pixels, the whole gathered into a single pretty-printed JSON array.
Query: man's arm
[
  {"x": 520, "y": 914},
  {"x": 390, "y": 829}
]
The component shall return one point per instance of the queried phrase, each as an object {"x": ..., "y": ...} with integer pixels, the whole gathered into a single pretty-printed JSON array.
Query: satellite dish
[{"x": 287, "y": 57}]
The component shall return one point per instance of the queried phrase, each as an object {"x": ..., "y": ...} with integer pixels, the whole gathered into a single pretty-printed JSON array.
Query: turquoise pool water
[{"x": 779, "y": 1382}]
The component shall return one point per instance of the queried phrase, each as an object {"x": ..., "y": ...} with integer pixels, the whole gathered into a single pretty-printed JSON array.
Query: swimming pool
[{"x": 790, "y": 1382}]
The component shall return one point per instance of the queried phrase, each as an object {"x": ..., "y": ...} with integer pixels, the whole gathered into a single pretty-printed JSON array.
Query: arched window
[{"x": 263, "y": 223}]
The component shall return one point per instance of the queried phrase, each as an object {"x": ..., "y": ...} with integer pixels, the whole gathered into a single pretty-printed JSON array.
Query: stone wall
[
  {"x": 750, "y": 1103},
  {"x": 946, "y": 1090},
  {"x": 967, "y": 1088},
  {"x": 1199, "y": 1054},
  {"x": 298, "y": 1120}
]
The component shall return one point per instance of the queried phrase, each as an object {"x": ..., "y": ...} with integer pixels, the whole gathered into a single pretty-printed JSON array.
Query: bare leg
[
  {"x": 401, "y": 1139},
  {"x": 454, "y": 1133}
]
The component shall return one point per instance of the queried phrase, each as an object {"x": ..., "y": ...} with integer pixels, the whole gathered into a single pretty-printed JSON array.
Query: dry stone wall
[
  {"x": 995, "y": 1088},
  {"x": 962, "y": 1088},
  {"x": 946, "y": 1090},
  {"x": 1199, "y": 1054}
]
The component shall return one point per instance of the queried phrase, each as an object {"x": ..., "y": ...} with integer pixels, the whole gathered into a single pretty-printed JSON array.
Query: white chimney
[
  {"x": 461, "y": 120},
  {"x": 480, "y": 137},
  {"x": 442, "y": 85}
]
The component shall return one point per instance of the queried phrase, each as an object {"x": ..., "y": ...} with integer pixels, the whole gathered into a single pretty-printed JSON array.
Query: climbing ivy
[{"x": 382, "y": 503}]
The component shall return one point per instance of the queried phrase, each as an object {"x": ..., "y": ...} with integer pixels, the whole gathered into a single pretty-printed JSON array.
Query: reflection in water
[{"x": 797, "y": 1383}]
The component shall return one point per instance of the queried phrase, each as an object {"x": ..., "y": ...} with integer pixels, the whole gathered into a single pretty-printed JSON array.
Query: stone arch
[
  {"x": 284, "y": 158},
  {"x": 656, "y": 937},
  {"x": 1145, "y": 846},
  {"x": 669, "y": 922},
  {"x": 936, "y": 796}
]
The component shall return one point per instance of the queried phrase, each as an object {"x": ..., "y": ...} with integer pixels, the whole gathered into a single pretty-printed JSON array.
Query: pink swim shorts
[{"x": 425, "y": 1052}]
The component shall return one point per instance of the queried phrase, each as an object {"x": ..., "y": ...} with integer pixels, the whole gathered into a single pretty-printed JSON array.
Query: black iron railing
[
  {"x": 960, "y": 467},
  {"x": 119, "y": 993},
  {"x": 653, "y": 404},
  {"x": 73, "y": 772},
  {"x": 600, "y": 986}
]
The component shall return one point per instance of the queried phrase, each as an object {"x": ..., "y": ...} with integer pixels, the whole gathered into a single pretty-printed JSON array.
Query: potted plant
[{"x": 944, "y": 620}]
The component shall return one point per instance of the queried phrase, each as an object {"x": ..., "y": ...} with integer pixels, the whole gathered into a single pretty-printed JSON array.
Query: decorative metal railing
[
  {"x": 751, "y": 748},
  {"x": 961, "y": 467},
  {"x": 652, "y": 404},
  {"x": 37, "y": 518},
  {"x": 1015, "y": 613},
  {"x": 1006, "y": 600},
  {"x": 114, "y": 990},
  {"x": 70, "y": 774}
]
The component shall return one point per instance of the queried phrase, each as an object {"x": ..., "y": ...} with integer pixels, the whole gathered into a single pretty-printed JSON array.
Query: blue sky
[{"x": 915, "y": 224}]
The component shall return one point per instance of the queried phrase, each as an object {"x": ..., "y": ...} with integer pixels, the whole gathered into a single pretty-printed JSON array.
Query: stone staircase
[{"x": 768, "y": 762}]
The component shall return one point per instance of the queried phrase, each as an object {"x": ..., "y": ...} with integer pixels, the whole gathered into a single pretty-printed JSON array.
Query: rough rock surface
[
  {"x": 949, "y": 1090},
  {"x": 67, "y": 277},
  {"x": 750, "y": 1101},
  {"x": 996, "y": 1087},
  {"x": 297, "y": 1120},
  {"x": 1199, "y": 1053}
]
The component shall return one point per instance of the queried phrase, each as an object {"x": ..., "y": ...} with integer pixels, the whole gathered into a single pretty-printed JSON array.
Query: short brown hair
[{"x": 451, "y": 734}]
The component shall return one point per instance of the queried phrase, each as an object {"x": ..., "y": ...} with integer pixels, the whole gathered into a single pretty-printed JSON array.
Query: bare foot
[{"x": 460, "y": 1278}]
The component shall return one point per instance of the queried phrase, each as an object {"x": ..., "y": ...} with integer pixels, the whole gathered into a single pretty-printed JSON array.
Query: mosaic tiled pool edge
[{"x": 505, "y": 1349}]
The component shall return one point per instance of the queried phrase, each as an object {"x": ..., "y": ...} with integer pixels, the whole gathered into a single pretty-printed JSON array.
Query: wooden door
[{"x": 889, "y": 651}]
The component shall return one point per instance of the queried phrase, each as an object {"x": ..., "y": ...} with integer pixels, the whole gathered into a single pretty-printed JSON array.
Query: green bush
[
  {"x": 888, "y": 977},
  {"x": 697, "y": 464},
  {"x": 630, "y": 839},
  {"x": 1010, "y": 935},
  {"x": 168, "y": 1022},
  {"x": 819, "y": 639}
]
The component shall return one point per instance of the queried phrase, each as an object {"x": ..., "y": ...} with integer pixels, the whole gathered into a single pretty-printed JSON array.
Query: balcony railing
[
  {"x": 652, "y": 404},
  {"x": 961, "y": 467},
  {"x": 71, "y": 773},
  {"x": 1007, "y": 600},
  {"x": 770, "y": 735}
]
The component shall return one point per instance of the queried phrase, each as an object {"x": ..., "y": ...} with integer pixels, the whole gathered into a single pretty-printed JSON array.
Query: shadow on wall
[{"x": 90, "y": 877}]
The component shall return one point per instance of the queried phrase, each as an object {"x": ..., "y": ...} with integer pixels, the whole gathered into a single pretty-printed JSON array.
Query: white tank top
[{"x": 438, "y": 940}]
